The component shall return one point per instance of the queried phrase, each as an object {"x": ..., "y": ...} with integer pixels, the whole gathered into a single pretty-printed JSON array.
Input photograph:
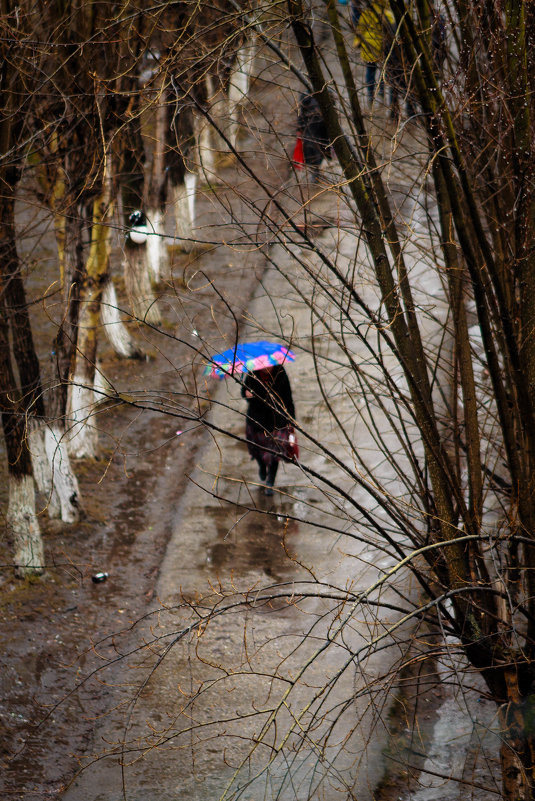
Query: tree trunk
[
  {"x": 157, "y": 190},
  {"x": 183, "y": 197},
  {"x": 114, "y": 327},
  {"x": 65, "y": 502},
  {"x": 238, "y": 90},
  {"x": 182, "y": 174},
  {"x": 52, "y": 468},
  {"x": 14, "y": 401},
  {"x": 141, "y": 298},
  {"x": 157, "y": 254},
  {"x": 83, "y": 435},
  {"x": 23, "y": 527},
  {"x": 206, "y": 137},
  {"x": 43, "y": 471}
]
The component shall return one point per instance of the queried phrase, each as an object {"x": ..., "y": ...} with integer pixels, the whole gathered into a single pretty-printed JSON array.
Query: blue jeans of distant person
[{"x": 371, "y": 71}]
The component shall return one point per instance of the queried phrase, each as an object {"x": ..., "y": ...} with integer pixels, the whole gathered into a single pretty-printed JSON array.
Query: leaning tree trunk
[
  {"x": 52, "y": 468},
  {"x": 23, "y": 527}
]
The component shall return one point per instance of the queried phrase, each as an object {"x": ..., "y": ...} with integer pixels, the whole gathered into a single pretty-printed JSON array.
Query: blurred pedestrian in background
[
  {"x": 355, "y": 10},
  {"x": 369, "y": 36},
  {"x": 313, "y": 143}
]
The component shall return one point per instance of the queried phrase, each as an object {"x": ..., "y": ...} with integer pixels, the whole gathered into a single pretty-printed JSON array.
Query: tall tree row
[
  {"x": 463, "y": 410},
  {"x": 463, "y": 405},
  {"x": 476, "y": 114},
  {"x": 83, "y": 123}
]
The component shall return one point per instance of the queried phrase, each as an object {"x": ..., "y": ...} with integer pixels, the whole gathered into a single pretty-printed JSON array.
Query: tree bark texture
[
  {"x": 114, "y": 327},
  {"x": 83, "y": 433},
  {"x": 156, "y": 137}
]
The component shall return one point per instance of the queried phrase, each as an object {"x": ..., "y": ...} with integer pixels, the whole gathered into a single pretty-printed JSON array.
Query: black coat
[{"x": 271, "y": 406}]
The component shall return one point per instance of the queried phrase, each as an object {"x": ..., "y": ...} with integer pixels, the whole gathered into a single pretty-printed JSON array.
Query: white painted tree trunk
[
  {"x": 114, "y": 327},
  {"x": 42, "y": 470},
  {"x": 141, "y": 298},
  {"x": 206, "y": 139},
  {"x": 156, "y": 245},
  {"x": 65, "y": 483},
  {"x": 24, "y": 527},
  {"x": 101, "y": 386},
  {"x": 183, "y": 204},
  {"x": 82, "y": 432},
  {"x": 238, "y": 90}
]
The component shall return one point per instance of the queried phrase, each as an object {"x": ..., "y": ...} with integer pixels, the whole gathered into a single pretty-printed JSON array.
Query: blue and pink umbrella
[{"x": 246, "y": 357}]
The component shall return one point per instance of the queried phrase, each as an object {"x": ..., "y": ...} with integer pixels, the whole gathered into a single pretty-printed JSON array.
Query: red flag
[{"x": 298, "y": 157}]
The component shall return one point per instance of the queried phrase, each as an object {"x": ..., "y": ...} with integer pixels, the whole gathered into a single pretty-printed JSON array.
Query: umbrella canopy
[{"x": 246, "y": 357}]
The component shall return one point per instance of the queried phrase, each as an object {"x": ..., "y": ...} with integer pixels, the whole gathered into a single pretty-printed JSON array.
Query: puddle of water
[{"x": 253, "y": 541}]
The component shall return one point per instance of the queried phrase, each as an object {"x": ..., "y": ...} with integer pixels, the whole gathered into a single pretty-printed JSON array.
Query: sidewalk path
[
  {"x": 281, "y": 699},
  {"x": 238, "y": 669}
]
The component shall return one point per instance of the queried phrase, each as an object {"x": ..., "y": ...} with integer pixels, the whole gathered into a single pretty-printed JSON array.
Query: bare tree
[
  {"x": 459, "y": 404},
  {"x": 419, "y": 305}
]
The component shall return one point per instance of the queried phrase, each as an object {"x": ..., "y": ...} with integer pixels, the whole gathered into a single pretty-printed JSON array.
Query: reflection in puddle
[{"x": 251, "y": 540}]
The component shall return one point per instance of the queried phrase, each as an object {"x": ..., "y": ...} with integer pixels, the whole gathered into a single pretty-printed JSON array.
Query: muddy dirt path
[{"x": 51, "y": 628}]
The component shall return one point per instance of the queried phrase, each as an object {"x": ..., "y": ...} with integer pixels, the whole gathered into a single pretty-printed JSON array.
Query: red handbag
[
  {"x": 298, "y": 157},
  {"x": 293, "y": 447}
]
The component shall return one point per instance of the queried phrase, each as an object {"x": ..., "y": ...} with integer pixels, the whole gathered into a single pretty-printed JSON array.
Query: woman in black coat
[{"x": 270, "y": 415}]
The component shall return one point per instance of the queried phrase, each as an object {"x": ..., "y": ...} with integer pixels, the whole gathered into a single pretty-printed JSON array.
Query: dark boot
[
  {"x": 271, "y": 473},
  {"x": 262, "y": 470}
]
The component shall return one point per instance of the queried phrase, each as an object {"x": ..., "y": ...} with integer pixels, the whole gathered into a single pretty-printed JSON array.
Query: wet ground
[
  {"x": 51, "y": 627},
  {"x": 162, "y": 542}
]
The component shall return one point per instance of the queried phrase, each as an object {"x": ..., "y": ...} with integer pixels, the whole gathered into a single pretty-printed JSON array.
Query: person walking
[
  {"x": 313, "y": 144},
  {"x": 269, "y": 421},
  {"x": 373, "y": 21}
]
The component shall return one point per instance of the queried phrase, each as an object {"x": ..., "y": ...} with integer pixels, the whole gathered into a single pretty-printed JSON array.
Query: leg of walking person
[
  {"x": 262, "y": 469},
  {"x": 371, "y": 69},
  {"x": 271, "y": 474}
]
